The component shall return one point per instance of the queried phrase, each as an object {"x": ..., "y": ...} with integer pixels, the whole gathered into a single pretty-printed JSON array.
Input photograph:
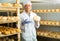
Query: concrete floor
[{"x": 46, "y": 39}]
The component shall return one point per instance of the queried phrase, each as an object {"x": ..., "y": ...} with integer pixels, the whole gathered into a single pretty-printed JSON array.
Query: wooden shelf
[
  {"x": 46, "y": 10},
  {"x": 51, "y": 23},
  {"x": 49, "y": 34},
  {"x": 8, "y": 19},
  {"x": 11, "y": 7},
  {"x": 7, "y": 31}
]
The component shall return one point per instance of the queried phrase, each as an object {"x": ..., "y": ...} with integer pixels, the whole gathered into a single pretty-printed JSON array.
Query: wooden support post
[{"x": 18, "y": 23}]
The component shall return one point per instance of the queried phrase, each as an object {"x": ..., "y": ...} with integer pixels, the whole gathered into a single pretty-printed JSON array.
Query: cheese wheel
[
  {"x": 57, "y": 10},
  {"x": 49, "y": 23},
  {"x": 18, "y": 30},
  {"x": 42, "y": 22},
  {"x": 34, "y": 10},
  {"x": 53, "y": 10},
  {"x": 53, "y": 23},
  {"x": 38, "y": 11},
  {"x": 45, "y": 11},
  {"x": 45, "y": 22},
  {"x": 6, "y": 32},
  {"x": 4, "y": 18},
  {"x": 9, "y": 19},
  {"x": 41, "y": 10},
  {"x": 0, "y": 32},
  {"x": 41, "y": 34},
  {"x": 58, "y": 36},
  {"x": 45, "y": 34},
  {"x": 1, "y": 17},
  {"x": 48, "y": 10},
  {"x": 57, "y": 23}
]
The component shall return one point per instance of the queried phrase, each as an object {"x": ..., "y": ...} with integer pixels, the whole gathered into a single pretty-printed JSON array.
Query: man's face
[{"x": 27, "y": 7}]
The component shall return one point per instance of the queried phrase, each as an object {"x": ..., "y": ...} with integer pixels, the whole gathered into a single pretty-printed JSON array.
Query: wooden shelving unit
[{"x": 11, "y": 8}]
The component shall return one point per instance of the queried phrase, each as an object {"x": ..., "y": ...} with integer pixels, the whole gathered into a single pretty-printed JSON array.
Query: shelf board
[
  {"x": 49, "y": 34},
  {"x": 2, "y": 35}
]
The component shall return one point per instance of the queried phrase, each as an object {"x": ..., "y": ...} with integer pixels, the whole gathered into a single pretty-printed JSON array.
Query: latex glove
[
  {"x": 36, "y": 18},
  {"x": 26, "y": 22}
]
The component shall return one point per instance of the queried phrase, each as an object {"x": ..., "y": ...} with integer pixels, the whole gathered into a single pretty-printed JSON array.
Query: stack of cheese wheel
[
  {"x": 9, "y": 30},
  {"x": 17, "y": 5},
  {"x": 6, "y": 5}
]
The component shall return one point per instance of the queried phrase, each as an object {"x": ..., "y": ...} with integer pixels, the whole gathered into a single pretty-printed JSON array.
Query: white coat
[{"x": 28, "y": 29}]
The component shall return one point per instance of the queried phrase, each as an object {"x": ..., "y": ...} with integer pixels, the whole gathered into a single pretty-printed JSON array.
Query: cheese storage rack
[
  {"x": 46, "y": 33},
  {"x": 13, "y": 7}
]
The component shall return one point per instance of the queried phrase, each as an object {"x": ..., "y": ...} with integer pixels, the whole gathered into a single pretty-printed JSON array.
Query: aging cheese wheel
[
  {"x": 45, "y": 11},
  {"x": 48, "y": 10},
  {"x": 57, "y": 10},
  {"x": 6, "y": 32},
  {"x": 57, "y": 23},
  {"x": 53, "y": 10}
]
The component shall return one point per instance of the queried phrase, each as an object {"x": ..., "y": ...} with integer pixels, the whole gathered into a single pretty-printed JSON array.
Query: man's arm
[{"x": 37, "y": 20}]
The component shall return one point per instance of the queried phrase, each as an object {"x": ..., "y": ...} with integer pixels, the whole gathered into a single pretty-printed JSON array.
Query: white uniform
[{"x": 28, "y": 29}]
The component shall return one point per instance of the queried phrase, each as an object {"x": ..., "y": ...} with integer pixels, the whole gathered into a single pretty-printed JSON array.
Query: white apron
[{"x": 28, "y": 29}]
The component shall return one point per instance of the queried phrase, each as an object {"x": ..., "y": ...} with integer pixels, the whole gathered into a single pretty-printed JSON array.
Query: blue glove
[{"x": 26, "y": 22}]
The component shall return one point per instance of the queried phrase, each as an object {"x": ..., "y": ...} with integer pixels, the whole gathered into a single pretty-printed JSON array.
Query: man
[{"x": 29, "y": 23}]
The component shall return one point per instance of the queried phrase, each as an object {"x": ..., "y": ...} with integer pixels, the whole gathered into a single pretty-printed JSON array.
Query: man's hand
[{"x": 36, "y": 18}]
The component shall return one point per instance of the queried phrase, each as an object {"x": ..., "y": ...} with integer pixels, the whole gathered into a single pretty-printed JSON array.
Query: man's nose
[{"x": 27, "y": 6}]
